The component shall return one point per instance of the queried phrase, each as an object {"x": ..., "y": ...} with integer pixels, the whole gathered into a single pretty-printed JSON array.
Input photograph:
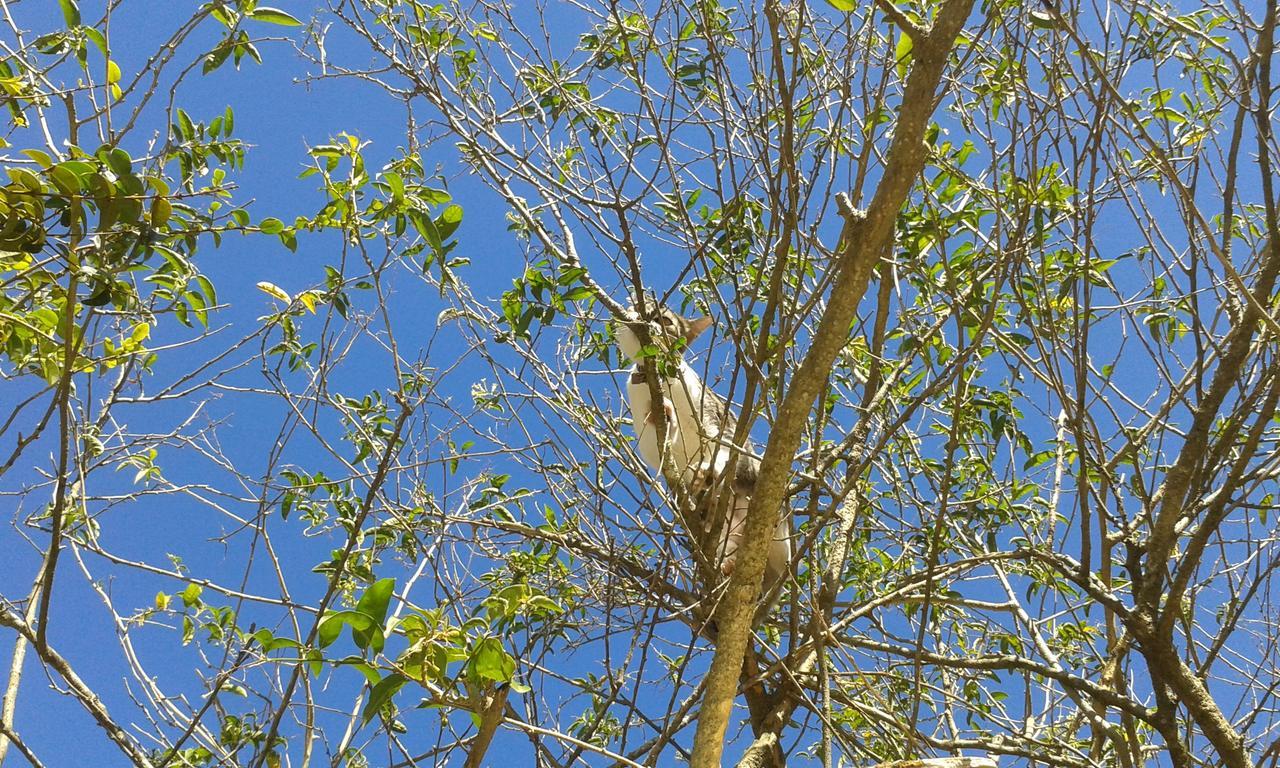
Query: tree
[{"x": 993, "y": 286}]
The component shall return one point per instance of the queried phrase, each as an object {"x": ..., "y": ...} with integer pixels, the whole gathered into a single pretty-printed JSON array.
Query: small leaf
[
  {"x": 363, "y": 667},
  {"x": 113, "y": 72},
  {"x": 332, "y": 625},
  {"x": 100, "y": 297},
  {"x": 373, "y": 603},
  {"x": 191, "y": 595},
  {"x": 43, "y": 160},
  {"x": 492, "y": 662},
  {"x": 271, "y": 226},
  {"x": 449, "y": 221},
  {"x": 186, "y": 129},
  {"x": 215, "y": 58},
  {"x": 271, "y": 289},
  {"x": 902, "y": 53},
  {"x": 376, "y": 598},
  {"x": 330, "y": 628},
  {"x": 98, "y": 39},
  {"x": 843, "y": 5},
  {"x": 382, "y": 693},
  {"x": 161, "y": 210},
  {"x": 427, "y": 228},
  {"x": 117, "y": 160},
  {"x": 1044, "y": 20},
  {"x": 271, "y": 15},
  {"x": 210, "y": 295},
  {"x": 70, "y": 12}
]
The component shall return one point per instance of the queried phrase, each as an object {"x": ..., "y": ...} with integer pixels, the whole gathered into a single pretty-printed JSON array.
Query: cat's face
[{"x": 668, "y": 331}]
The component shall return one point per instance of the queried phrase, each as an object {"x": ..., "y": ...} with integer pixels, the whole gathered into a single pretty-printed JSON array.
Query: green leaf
[
  {"x": 117, "y": 160},
  {"x": 271, "y": 226},
  {"x": 191, "y": 595},
  {"x": 216, "y": 58},
  {"x": 382, "y": 693},
  {"x": 273, "y": 16},
  {"x": 361, "y": 666},
  {"x": 51, "y": 44},
  {"x": 376, "y": 598},
  {"x": 373, "y": 603},
  {"x": 98, "y": 39},
  {"x": 315, "y": 662},
  {"x": 70, "y": 12},
  {"x": 902, "y": 53},
  {"x": 161, "y": 210},
  {"x": 427, "y": 228},
  {"x": 186, "y": 129},
  {"x": 333, "y": 623},
  {"x": 101, "y": 296},
  {"x": 449, "y": 221},
  {"x": 1044, "y": 20},
  {"x": 42, "y": 159},
  {"x": 210, "y": 295},
  {"x": 843, "y": 5},
  {"x": 490, "y": 661},
  {"x": 269, "y": 642}
]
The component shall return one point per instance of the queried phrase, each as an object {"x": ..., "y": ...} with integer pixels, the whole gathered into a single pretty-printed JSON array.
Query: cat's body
[
  {"x": 687, "y": 437},
  {"x": 699, "y": 427}
]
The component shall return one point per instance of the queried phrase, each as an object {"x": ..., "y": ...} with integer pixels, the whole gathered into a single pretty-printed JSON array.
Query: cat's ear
[{"x": 694, "y": 328}]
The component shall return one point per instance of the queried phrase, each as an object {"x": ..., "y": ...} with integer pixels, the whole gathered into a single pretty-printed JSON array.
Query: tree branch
[
  {"x": 82, "y": 692},
  {"x": 862, "y": 243}
]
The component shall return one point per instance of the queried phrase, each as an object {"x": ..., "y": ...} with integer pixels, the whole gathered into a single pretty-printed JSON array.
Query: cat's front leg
[
  {"x": 645, "y": 423},
  {"x": 705, "y": 479}
]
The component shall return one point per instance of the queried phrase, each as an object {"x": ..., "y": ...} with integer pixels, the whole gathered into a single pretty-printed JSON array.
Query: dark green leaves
[
  {"x": 382, "y": 693},
  {"x": 365, "y": 621},
  {"x": 374, "y": 603},
  {"x": 540, "y": 295},
  {"x": 331, "y": 626},
  {"x": 101, "y": 296}
]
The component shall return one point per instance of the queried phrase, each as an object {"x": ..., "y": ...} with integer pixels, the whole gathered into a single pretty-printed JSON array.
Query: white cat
[
  {"x": 688, "y": 439},
  {"x": 698, "y": 429}
]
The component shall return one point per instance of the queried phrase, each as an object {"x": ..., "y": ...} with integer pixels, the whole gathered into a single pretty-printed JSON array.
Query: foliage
[{"x": 351, "y": 477}]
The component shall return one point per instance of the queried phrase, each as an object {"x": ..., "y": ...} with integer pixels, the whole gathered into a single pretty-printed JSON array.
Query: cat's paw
[
  {"x": 704, "y": 477},
  {"x": 668, "y": 415}
]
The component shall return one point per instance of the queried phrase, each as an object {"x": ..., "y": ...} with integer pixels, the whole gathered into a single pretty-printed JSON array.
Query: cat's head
[{"x": 668, "y": 330}]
